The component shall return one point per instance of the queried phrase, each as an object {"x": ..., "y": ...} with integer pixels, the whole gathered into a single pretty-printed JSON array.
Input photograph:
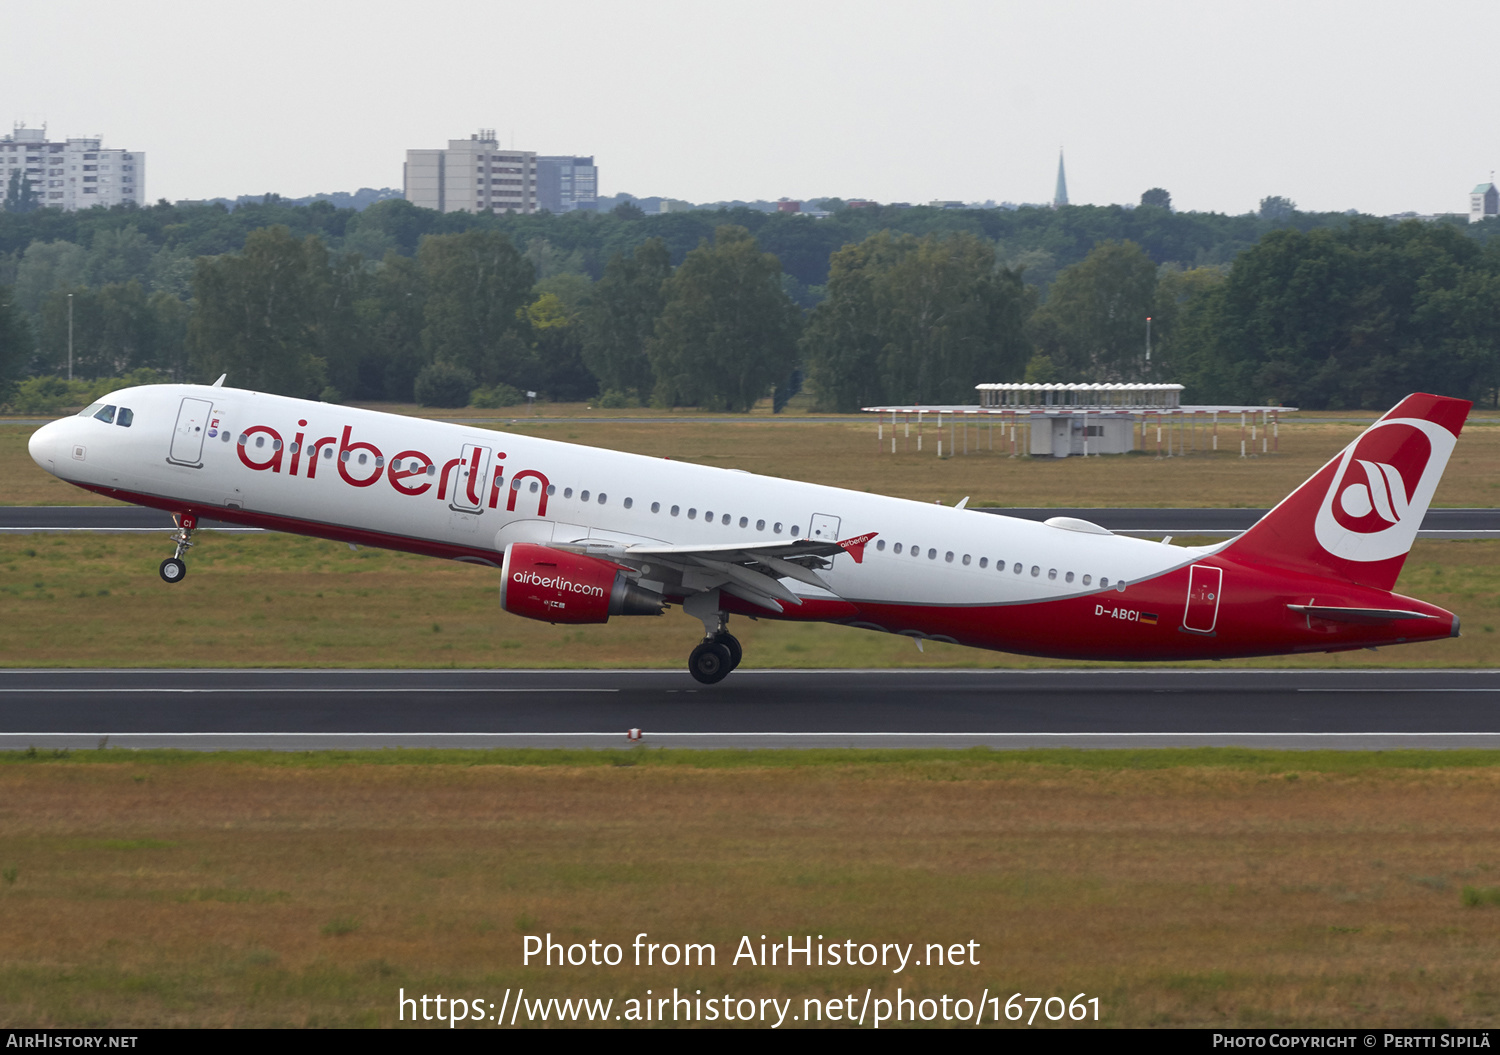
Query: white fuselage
[{"x": 250, "y": 443}]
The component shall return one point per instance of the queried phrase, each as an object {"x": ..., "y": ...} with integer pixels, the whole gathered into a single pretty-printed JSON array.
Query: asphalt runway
[
  {"x": 307, "y": 709},
  {"x": 1439, "y": 523}
]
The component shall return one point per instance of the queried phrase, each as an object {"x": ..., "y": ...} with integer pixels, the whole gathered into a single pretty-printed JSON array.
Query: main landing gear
[
  {"x": 719, "y": 653},
  {"x": 174, "y": 568},
  {"x": 712, "y": 660}
]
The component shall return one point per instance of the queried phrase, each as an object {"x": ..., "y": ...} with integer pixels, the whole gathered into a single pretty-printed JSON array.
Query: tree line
[{"x": 1352, "y": 312}]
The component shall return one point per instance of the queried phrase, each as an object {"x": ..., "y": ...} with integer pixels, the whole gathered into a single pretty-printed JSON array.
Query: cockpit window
[
  {"x": 107, "y": 415},
  {"x": 125, "y": 417},
  {"x": 89, "y": 411}
]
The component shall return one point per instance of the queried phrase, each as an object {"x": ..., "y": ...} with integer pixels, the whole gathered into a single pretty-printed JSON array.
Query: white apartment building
[
  {"x": 73, "y": 174},
  {"x": 472, "y": 175}
]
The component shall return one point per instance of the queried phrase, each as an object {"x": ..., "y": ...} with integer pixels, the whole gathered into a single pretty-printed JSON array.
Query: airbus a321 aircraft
[{"x": 581, "y": 534}]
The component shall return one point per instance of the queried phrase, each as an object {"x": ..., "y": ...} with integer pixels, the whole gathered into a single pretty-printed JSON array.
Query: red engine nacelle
[{"x": 555, "y": 586}]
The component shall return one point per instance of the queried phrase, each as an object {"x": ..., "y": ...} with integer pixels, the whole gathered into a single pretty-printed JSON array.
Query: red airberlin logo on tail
[
  {"x": 1381, "y": 489},
  {"x": 1376, "y": 487}
]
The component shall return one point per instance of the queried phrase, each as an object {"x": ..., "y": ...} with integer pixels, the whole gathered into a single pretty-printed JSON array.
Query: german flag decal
[{"x": 1148, "y": 617}]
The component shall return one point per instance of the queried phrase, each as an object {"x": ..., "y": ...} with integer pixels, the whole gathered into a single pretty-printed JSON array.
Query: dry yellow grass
[{"x": 237, "y": 893}]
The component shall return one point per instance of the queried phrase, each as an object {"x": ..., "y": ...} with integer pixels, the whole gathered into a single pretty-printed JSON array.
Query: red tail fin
[{"x": 1358, "y": 516}]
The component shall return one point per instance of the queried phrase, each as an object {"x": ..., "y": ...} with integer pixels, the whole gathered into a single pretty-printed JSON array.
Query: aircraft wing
[{"x": 751, "y": 571}]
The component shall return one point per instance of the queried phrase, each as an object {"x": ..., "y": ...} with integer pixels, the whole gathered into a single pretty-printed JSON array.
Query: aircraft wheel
[
  {"x": 732, "y": 643},
  {"x": 710, "y": 662},
  {"x": 172, "y": 570}
]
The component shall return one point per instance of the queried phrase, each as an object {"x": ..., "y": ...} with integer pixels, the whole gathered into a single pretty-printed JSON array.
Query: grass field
[
  {"x": 846, "y": 455},
  {"x": 87, "y": 600},
  {"x": 1206, "y": 888}
]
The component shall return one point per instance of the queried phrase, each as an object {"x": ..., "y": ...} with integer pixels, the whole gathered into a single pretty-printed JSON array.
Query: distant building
[
  {"x": 1060, "y": 195},
  {"x": 861, "y": 203},
  {"x": 564, "y": 184},
  {"x": 472, "y": 175},
  {"x": 787, "y": 205},
  {"x": 1484, "y": 202},
  {"x": 74, "y": 173},
  {"x": 1063, "y": 419}
]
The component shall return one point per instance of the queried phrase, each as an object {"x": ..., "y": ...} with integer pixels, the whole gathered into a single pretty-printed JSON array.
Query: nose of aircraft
[{"x": 46, "y": 443}]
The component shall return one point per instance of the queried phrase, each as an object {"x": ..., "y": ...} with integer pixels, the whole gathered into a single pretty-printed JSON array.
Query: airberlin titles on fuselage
[{"x": 349, "y": 456}]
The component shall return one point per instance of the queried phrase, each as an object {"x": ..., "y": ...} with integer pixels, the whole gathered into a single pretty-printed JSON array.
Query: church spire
[{"x": 1060, "y": 197}]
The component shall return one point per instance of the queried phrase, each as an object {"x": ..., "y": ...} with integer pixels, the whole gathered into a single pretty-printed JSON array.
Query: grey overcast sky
[{"x": 1377, "y": 106}]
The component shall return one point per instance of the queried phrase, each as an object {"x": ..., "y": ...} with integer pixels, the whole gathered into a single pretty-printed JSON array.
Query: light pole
[
  {"x": 70, "y": 336},
  {"x": 1148, "y": 343}
]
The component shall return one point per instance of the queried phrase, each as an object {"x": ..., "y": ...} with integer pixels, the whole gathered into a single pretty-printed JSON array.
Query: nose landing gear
[{"x": 174, "y": 568}]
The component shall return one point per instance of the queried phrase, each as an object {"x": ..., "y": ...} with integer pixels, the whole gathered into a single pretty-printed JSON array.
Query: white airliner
[{"x": 581, "y": 534}]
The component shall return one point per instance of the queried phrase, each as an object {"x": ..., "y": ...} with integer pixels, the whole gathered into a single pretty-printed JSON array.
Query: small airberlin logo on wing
[
  {"x": 556, "y": 582},
  {"x": 1381, "y": 489}
]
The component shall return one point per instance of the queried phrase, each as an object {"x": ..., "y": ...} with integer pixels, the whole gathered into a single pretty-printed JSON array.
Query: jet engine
[{"x": 555, "y": 586}]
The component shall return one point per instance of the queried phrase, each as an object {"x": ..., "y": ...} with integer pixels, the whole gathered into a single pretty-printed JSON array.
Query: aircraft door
[
  {"x": 823, "y": 528},
  {"x": 187, "y": 438},
  {"x": 1204, "y": 585},
  {"x": 470, "y": 477}
]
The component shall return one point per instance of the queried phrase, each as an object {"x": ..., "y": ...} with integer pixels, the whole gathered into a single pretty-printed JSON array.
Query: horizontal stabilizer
[{"x": 1357, "y": 615}]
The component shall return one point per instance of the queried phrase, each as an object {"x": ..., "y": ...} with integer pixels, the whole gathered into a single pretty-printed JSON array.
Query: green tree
[
  {"x": 1277, "y": 208},
  {"x": 1157, "y": 197},
  {"x": 261, "y": 314},
  {"x": 909, "y": 319},
  {"x": 15, "y": 340},
  {"x": 557, "y": 336},
  {"x": 114, "y": 331},
  {"x": 477, "y": 287},
  {"x": 621, "y": 319},
  {"x": 169, "y": 324},
  {"x": 48, "y": 266},
  {"x": 19, "y": 196},
  {"x": 119, "y": 255},
  {"x": 1352, "y": 317},
  {"x": 727, "y": 332},
  {"x": 390, "y": 318},
  {"x": 1093, "y": 325}
]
